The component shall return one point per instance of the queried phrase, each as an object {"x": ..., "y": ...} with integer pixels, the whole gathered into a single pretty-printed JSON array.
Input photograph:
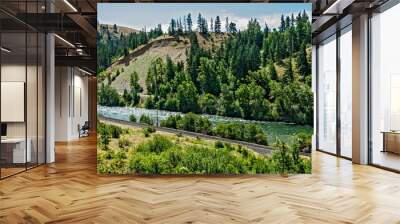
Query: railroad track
[{"x": 265, "y": 150}]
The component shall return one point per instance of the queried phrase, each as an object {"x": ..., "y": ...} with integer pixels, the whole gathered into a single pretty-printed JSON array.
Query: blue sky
[{"x": 139, "y": 15}]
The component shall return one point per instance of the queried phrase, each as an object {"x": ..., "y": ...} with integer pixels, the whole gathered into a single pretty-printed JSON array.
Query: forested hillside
[{"x": 258, "y": 73}]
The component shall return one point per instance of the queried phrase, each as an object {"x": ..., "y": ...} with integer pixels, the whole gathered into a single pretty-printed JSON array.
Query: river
[{"x": 282, "y": 130}]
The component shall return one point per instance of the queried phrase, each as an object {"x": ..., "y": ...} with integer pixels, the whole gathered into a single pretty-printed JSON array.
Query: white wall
[{"x": 71, "y": 87}]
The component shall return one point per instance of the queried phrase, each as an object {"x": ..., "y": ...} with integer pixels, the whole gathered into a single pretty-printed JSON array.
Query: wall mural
[{"x": 204, "y": 88}]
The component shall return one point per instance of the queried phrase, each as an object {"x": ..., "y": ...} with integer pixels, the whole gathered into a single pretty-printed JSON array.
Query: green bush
[
  {"x": 149, "y": 103},
  {"x": 112, "y": 162},
  {"x": 145, "y": 119},
  {"x": 261, "y": 139},
  {"x": 171, "y": 121},
  {"x": 108, "y": 96},
  {"x": 112, "y": 130},
  {"x": 157, "y": 144},
  {"x": 288, "y": 159},
  {"x": 219, "y": 144},
  {"x": 188, "y": 122},
  {"x": 197, "y": 123},
  {"x": 302, "y": 142},
  {"x": 132, "y": 118},
  {"x": 104, "y": 141},
  {"x": 148, "y": 130},
  {"x": 115, "y": 131},
  {"x": 149, "y": 164},
  {"x": 241, "y": 132},
  {"x": 171, "y": 104},
  {"x": 124, "y": 142}
]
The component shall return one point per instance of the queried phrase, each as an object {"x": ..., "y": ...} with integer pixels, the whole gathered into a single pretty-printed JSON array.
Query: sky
[{"x": 140, "y": 15}]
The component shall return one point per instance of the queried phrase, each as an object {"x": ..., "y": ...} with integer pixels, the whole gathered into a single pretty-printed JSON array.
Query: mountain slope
[{"x": 140, "y": 59}]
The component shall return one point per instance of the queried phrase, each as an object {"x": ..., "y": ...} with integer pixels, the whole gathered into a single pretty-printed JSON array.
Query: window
[
  {"x": 346, "y": 92},
  {"x": 22, "y": 101},
  {"x": 385, "y": 89},
  {"x": 327, "y": 95}
]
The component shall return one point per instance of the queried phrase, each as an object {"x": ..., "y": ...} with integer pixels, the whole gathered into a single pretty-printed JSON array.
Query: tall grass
[{"x": 160, "y": 154}]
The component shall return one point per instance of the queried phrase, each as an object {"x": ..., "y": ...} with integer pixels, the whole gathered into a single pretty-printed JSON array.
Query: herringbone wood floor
[{"x": 70, "y": 191}]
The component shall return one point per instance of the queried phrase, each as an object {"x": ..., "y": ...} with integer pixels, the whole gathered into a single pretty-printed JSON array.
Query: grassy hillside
[
  {"x": 158, "y": 48},
  {"x": 139, "y": 60}
]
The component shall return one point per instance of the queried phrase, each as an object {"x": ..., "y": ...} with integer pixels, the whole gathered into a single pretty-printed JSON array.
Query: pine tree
[
  {"x": 211, "y": 25},
  {"x": 127, "y": 98},
  {"x": 170, "y": 69},
  {"x": 180, "y": 28},
  {"x": 189, "y": 23},
  {"x": 302, "y": 63},
  {"x": 304, "y": 16},
  {"x": 135, "y": 88},
  {"x": 287, "y": 22},
  {"x": 232, "y": 28},
  {"x": 199, "y": 23},
  {"x": 288, "y": 76},
  {"x": 172, "y": 27},
  {"x": 217, "y": 26},
  {"x": 272, "y": 71},
  {"x": 282, "y": 27},
  {"x": 266, "y": 30}
]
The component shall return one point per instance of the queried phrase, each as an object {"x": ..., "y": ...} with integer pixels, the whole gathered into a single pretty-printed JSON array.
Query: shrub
[
  {"x": 302, "y": 142},
  {"x": 282, "y": 157},
  {"x": 171, "y": 104},
  {"x": 261, "y": 138},
  {"x": 148, "y": 130},
  {"x": 242, "y": 132},
  {"x": 124, "y": 142},
  {"x": 219, "y": 144},
  {"x": 203, "y": 125},
  {"x": 208, "y": 103},
  {"x": 157, "y": 144},
  {"x": 115, "y": 131},
  {"x": 171, "y": 121},
  {"x": 108, "y": 96},
  {"x": 132, "y": 118},
  {"x": 288, "y": 159},
  {"x": 145, "y": 119},
  {"x": 149, "y": 103},
  {"x": 188, "y": 122},
  {"x": 104, "y": 141},
  {"x": 149, "y": 164}
]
